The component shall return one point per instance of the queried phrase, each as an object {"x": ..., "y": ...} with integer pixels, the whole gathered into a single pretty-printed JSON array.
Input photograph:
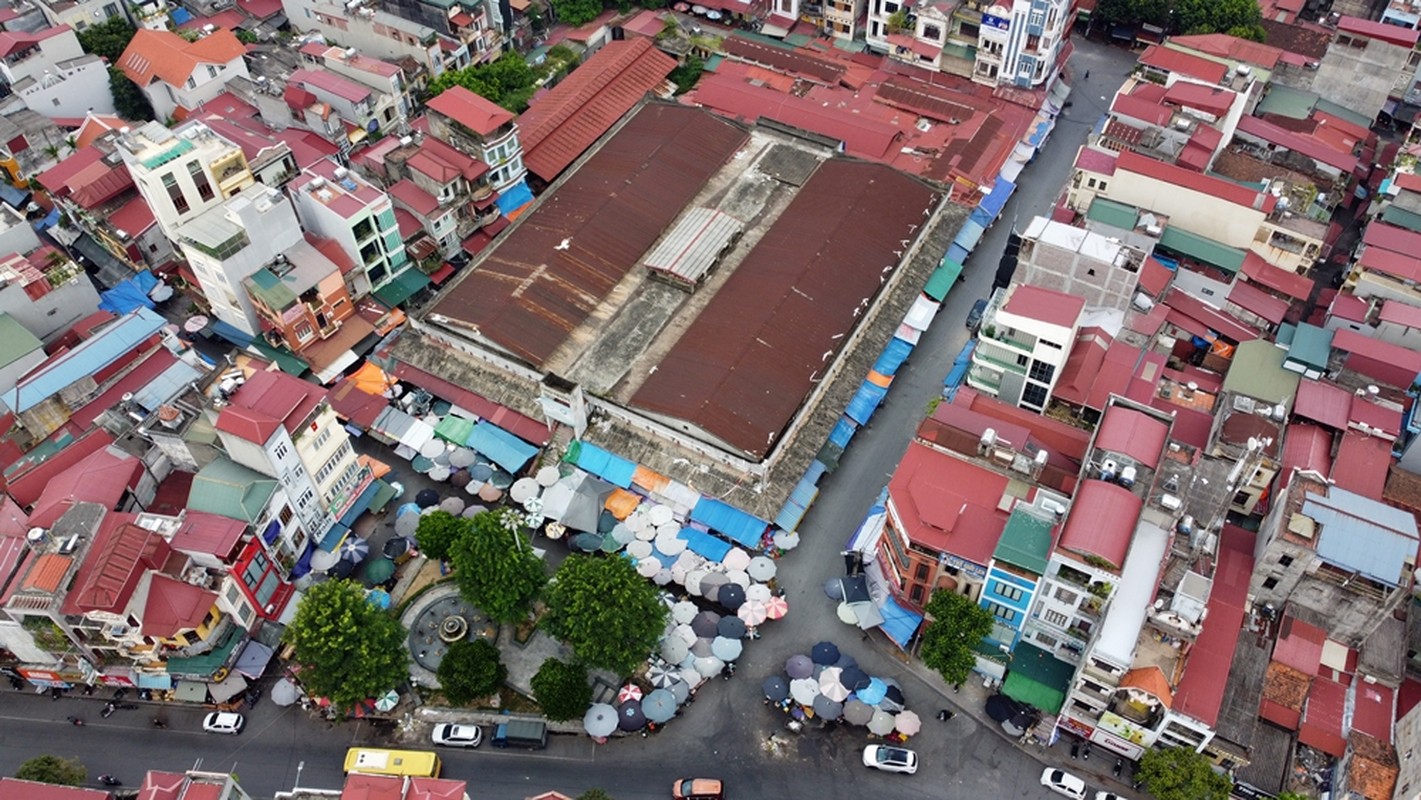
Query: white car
[
  {"x": 1107, "y": 796},
  {"x": 890, "y": 759},
  {"x": 1063, "y": 783},
  {"x": 224, "y": 722},
  {"x": 452, "y": 735}
]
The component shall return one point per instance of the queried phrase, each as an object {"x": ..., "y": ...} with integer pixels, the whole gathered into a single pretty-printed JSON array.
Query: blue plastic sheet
[
  {"x": 613, "y": 469},
  {"x": 703, "y": 544},
  {"x": 361, "y": 504},
  {"x": 843, "y": 432},
  {"x": 506, "y": 450},
  {"x": 739, "y": 526},
  {"x": 514, "y": 198},
  {"x": 49, "y": 221},
  {"x": 997, "y": 199},
  {"x": 892, "y": 357},
  {"x": 898, "y": 622},
  {"x": 303, "y": 564},
  {"x": 958, "y": 253},
  {"x": 272, "y": 532},
  {"x": 969, "y": 236},
  {"x": 960, "y": 366},
  {"x": 130, "y": 294},
  {"x": 1038, "y": 136},
  {"x": 865, "y": 402}
]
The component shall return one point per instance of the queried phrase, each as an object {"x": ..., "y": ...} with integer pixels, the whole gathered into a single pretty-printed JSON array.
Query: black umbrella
[
  {"x": 426, "y": 498},
  {"x": 586, "y": 542},
  {"x": 706, "y": 624},
  {"x": 853, "y": 679},
  {"x": 731, "y": 627},
  {"x": 630, "y": 717},
  {"x": 342, "y": 569},
  {"x": 895, "y": 695},
  {"x": 824, "y": 653},
  {"x": 396, "y": 546},
  {"x": 856, "y": 589},
  {"x": 846, "y": 661},
  {"x": 1002, "y": 708},
  {"x": 775, "y": 689},
  {"x": 732, "y": 596}
]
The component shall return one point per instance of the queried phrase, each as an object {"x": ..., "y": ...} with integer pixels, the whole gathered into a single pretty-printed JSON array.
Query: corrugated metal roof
[
  {"x": 1025, "y": 542},
  {"x": 1323, "y": 402},
  {"x": 229, "y": 489},
  {"x": 744, "y": 367},
  {"x": 1362, "y": 534},
  {"x": 546, "y": 275},
  {"x": 1362, "y": 464},
  {"x": 85, "y": 360},
  {"x": 694, "y": 246},
  {"x": 1102, "y": 521},
  {"x": 795, "y": 62},
  {"x": 1132, "y": 433}
]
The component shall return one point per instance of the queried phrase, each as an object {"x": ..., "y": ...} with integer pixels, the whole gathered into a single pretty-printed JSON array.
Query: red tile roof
[
  {"x": 1322, "y": 722},
  {"x": 1045, "y": 305},
  {"x": 122, "y": 552},
  {"x": 560, "y": 125},
  {"x": 1101, "y": 521},
  {"x": 1362, "y": 464},
  {"x": 1323, "y": 402},
  {"x": 468, "y": 109},
  {"x": 1170, "y": 60},
  {"x": 372, "y": 787},
  {"x": 163, "y": 55},
  {"x": 1231, "y": 47},
  {"x": 1209, "y": 99},
  {"x": 1251, "y": 298},
  {"x": 742, "y": 369},
  {"x": 1205, "y": 184},
  {"x": 437, "y": 789},
  {"x": 1257, "y": 269},
  {"x": 1307, "y": 146},
  {"x": 1200, "y": 693},
  {"x": 1391, "y": 34},
  {"x": 174, "y": 606},
  {"x": 100, "y": 478},
  {"x": 1306, "y": 446},
  {"x": 947, "y": 504},
  {"x": 1132, "y": 433}
]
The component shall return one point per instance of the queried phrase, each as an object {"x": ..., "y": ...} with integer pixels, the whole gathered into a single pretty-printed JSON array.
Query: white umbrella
[
  {"x": 622, "y": 534},
  {"x": 739, "y": 577},
  {"x": 736, "y": 559},
  {"x": 804, "y": 690},
  {"x": 751, "y": 614},
  {"x": 644, "y": 533},
  {"x": 660, "y": 515},
  {"x": 685, "y": 633},
  {"x": 662, "y": 577},
  {"x": 600, "y": 721},
  {"x": 672, "y": 545},
  {"x": 431, "y": 448},
  {"x": 285, "y": 693},
  {"x": 680, "y": 690},
  {"x": 461, "y": 457},
  {"x": 693, "y": 581},
  {"x": 322, "y": 560},
  {"x": 453, "y": 505},
  {"x": 786, "y": 540},
  {"x": 522, "y": 489},
  {"x": 691, "y": 677},
  {"x": 726, "y": 649},
  {"x": 684, "y": 611},
  {"x": 547, "y": 476},
  {"x": 647, "y": 567},
  {"x": 674, "y": 650},
  {"x": 761, "y": 568},
  {"x": 830, "y": 687},
  {"x": 709, "y": 667},
  {"x": 907, "y": 723},
  {"x": 668, "y": 529},
  {"x": 439, "y": 472},
  {"x": 635, "y": 520},
  {"x": 639, "y": 550},
  {"x": 757, "y": 593},
  {"x": 690, "y": 561},
  {"x": 881, "y": 723}
]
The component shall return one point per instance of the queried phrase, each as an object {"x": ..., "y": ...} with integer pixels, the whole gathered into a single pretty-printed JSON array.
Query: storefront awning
[
  {"x": 192, "y": 692},
  {"x": 162, "y": 683},
  {"x": 253, "y": 659},
  {"x": 230, "y": 686},
  {"x": 361, "y": 504},
  {"x": 402, "y": 288}
]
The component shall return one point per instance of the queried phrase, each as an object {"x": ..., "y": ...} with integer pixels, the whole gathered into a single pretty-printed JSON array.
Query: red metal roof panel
[
  {"x": 1045, "y": 305},
  {"x": 1200, "y": 693},
  {"x": 100, "y": 478},
  {"x": 524, "y": 427},
  {"x": 1101, "y": 521},
  {"x": 1209, "y": 317},
  {"x": 1170, "y": 60},
  {"x": 1298, "y": 143},
  {"x": 1392, "y": 34},
  {"x": 1306, "y": 446},
  {"x": 1132, "y": 433},
  {"x": 1209, "y": 99},
  {"x": 1323, "y": 402},
  {"x": 1322, "y": 722},
  {"x": 1257, "y": 269},
  {"x": 948, "y": 504},
  {"x": 1403, "y": 359},
  {"x": 1362, "y": 464},
  {"x": 1377, "y": 417},
  {"x": 1101, "y": 162},
  {"x": 1251, "y": 298},
  {"x": 1187, "y": 179},
  {"x": 1373, "y": 707},
  {"x": 470, "y": 110},
  {"x": 1401, "y": 314}
]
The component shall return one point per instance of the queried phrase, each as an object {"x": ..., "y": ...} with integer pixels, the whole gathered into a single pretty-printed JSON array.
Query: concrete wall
[
  {"x": 54, "y": 313},
  {"x": 1224, "y": 222},
  {"x": 1101, "y": 284}
]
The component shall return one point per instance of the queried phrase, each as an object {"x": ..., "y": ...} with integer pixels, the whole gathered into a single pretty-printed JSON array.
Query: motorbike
[
  {"x": 158, "y": 723},
  {"x": 128, "y": 706},
  {"x": 1085, "y": 752},
  {"x": 108, "y": 710},
  {"x": 1119, "y": 765},
  {"x": 109, "y": 780},
  {"x": 945, "y": 715},
  {"x": 75, "y": 721},
  {"x": 1075, "y": 750}
]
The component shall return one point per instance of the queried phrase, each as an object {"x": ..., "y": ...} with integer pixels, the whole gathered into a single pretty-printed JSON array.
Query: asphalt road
[{"x": 727, "y": 732}]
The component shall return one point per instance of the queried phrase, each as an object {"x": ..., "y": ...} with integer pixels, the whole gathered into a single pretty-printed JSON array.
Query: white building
[
  {"x": 482, "y": 129},
  {"x": 1022, "y": 344},
  {"x": 80, "y": 14},
  {"x": 1020, "y": 42},
  {"x": 336, "y": 203},
  {"x": 175, "y": 73},
  {"x": 183, "y": 172},
  {"x": 391, "y": 101},
  {"x": 378, "y": 33},
  {"x": 52, "y": 75},
  {"x": 228, "y": 243}
]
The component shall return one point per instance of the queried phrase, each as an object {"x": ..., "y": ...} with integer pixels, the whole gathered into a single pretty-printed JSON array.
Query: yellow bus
[{"x": 377, "y": 761}]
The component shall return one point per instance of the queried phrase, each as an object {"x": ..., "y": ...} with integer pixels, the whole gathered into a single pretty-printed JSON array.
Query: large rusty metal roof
[
  {"x": 746, "y": 364},
  {"x": 558, "y": 264}
]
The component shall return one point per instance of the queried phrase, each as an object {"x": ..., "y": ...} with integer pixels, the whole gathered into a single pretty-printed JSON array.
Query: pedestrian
[{"x": 1087, "y": 75}]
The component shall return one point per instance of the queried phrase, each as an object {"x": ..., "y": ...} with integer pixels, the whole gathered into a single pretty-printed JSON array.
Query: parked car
[
  {"x": 1063, "y": 783},
  {"x": 452, "y": 734},
  {"x": 1107, "y": 796},
  {"x": 224, "y": 722},
  {"x": 974, "y": 317},
  {"x": 890, "y": 759},
  {"x": 698, "y": 789}
]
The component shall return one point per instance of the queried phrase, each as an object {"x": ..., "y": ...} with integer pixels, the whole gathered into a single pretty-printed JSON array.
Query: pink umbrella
[
  {"x": 776, "y": 607},
  {"x": 752, "y": 614},
  {"x": 629, "y": 692}
]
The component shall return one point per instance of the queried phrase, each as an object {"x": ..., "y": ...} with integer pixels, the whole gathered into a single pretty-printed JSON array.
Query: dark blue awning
[
  {"x": 272, "y": 531},
  {"x": 362, "y": 503}
]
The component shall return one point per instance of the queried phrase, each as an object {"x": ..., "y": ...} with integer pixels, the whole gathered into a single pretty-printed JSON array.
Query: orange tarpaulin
[
  {"x": 879, "y": 379},
  {"x": 379, "y": 469},
  {"x": 622, "y": 503},
  {"x": 371, "y": 379},
  {"x": 648, "y": 480}
]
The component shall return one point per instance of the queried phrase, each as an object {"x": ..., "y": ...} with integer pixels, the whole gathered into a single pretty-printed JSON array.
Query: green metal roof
[
  {"x": 1329, "y": 107},
  {"x": 1112, "y": 213},
  {"x": 942, "y": 280},
  {"x": 1037, "y": 678},
  {"x": 286, "y": 361},
  {"x": 204, "y": 666},
  {"x": 15, "y": 341},
  {"x": 1288, "y": 102},
  {"x": 265, "y": 286},
  {"x": 229, "y": 489},
  {"x": 1025, "y": 542},
  {"x": 1311, "y": 346},
  {"x": 401, "y": 287},
  {"x": 1201, "y": 248},
  {"x": 1402, "y": 218},
  {"x": 1257, "y": 371}
]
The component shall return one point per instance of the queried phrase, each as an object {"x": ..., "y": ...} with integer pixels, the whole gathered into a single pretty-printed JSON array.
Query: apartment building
[
  {"x": 184, "y": 172},
  {"x": 481, "y": 129},
  {"x": 1023, "y": 342},
  {"x": 378, "y": 33},
  {"x": 52, "y": 74},
  {"x": 1024, "y": 48}
]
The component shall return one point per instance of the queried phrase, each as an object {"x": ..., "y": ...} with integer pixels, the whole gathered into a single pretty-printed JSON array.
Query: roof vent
[
  {"x": 317, "y": 182},
  {"x": 406, "y": 141}
]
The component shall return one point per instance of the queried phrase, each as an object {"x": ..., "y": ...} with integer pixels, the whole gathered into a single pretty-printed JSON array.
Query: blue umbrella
[
  {"x": 378, "y": 598},
  {"x": 659, "y": 706},
  {"x": 853, "y": 678},
  {"x": 630, "y": 717},
  {"x": 407, "y": 508},
  {"x": 824, "y": 653},
  {"x": 873, "y": 693},
  {"x": 354, "y": 549},
  {"x": 775, "y": 688}
]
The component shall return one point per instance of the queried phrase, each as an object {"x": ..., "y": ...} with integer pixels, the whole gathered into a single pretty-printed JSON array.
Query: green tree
[
  {"x": 576, "y": 12},
  {"x": 1237, "y": 17},
  {"x": 438, "y": 531},
  {"x": 562, "y": 689},
  {"x": 1291, "y": 796},
  {"x": 1130, "y": 12},
  {"x": 108, "y": 39},
  {"x": 128, "y": 100},
  {"x": 686, "y": 75},
  {"x": 495, "y": 567},
  {"x": 53, "y": 769},
  {"x": 610, "y": 615},
  {"x": 348, "y": 649},
  {"x": 1178, "y": 773},
  {"x": 595, "y": 794},
  {"x": 470, "y": 670},
  {"x": 949, "y": 641}
]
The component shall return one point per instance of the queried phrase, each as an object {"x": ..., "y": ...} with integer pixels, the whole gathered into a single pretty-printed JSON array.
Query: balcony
[
  {"x": 1024, "y": 343},
  {"x": 983, "y": 356}
]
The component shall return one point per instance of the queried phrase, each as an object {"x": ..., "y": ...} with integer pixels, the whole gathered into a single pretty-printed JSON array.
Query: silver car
[
  {"x": 890, "y": 759},
  {"x": 452, "y": 734}
]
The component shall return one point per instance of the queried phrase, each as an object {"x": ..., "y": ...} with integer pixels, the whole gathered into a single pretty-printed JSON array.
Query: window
[
  {"x": 285, "y": 515},
  {"x": 304, "y": 332},
  {"x": 1285, "y": 561},
  {"x": 1066, "y": 596},
  {"x": 281, "y": 451},
  {"x": 1048, "y": 642},
  {"x": 1021, "y": 361},
  {"x": 211, "y": 71},
  {"x": 204, "y": 186},
  {"x": 1034, "y": 396},
  {"x": 321, "y": 438},
  {"x": 1041, "y": 371},
  {"x": 305, "y": 499},
  {"x": 921, "y": 573},
  {"x": 175, "y": 193},
  {"x": 1007, "y": 590},
  {"x": 1001, "y": 612},
  {"x": 1056, "y": 618},
  {"x": 915, "y": 594},
  {"x": 1270, "y": 582}
]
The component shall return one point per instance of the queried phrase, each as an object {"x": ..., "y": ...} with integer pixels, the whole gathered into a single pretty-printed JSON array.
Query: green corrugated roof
[
  {"x": 204, "y": 666},
  {"x": 1037, "y": 678},
  {"x": 15, "y": 341},
  {"x": 401, "y": 287},
  {"x": 1342, "y": 112},
  {"x": 1288, "y": 102},
  {"x": 942, "y": 280},
  {"x": 1311, "y": 346},
  {"x": 265, "y": 286},
  {"x": 1201, "y": 248},
  {"x": 1025, "y": 542},
  {"x": 285, "y": 360},
  {"x": 1402, "y": 218},
  {"x": 1257, "y": 371},
  {"x": 1109, "y": 212},
  {"x": 229, "y": 489}
]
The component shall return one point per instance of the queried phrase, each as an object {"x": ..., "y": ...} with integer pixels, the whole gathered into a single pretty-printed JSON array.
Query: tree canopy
[
  {"x": 470, "y": 670},
  {"x": 595, "y": 794},
  {"x": 562, "y": 690},
  {"x": 438, "y": 531},
  {"x": 128, "y": 100},
  {"x": 495, "y": 567},
  {"x": 108, "y": 39},
  {"x": 509, "y": 81},
  {"x": 609, "y": 615},
  {"x": 576, "y": 12},
  {"x": 1177, "y": 773},
  {"x": 348, "y": 649},
  {"x": 950, "y": 639},
  {"x": 1241, "y": 18},
  {"x": 53, "y": 769}
]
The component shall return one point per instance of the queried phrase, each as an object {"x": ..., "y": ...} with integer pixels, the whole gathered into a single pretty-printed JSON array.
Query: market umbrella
[
  {"x": 322, "y": 560},
  {"x": 354, "y": 549},
  {"x": 637, "y": 550},
  {"x": 776, "y": 607},
  {"x": 893, "y": 700},
  {"x": 786, "y": 540},
  {"x": 473, "y": 511},
  {"x": 439, "y": 472},
  {"x": 827, "y": 708},
  {"x": 799, "y": 666},
  {"x": 378, "y": 598},
  {"x": 480, "y": 471},
  {"x": 586, "y": 542},
  {"x": 739, "y": 577},
  {"x": 285, "y": 693},
  {"x": 852, "y": 678},
  {"x": 490, "y": 493},
  {"x": 881, "y": 723},
  {"x": 660, "y": 515},
  {"x": 660, "y": 675},
  {"x": 709, "y": 667},
  {"x": 600, "y": 720},
  {"x": 421, "y": 464},
  {"x": 736, "y": 559},
  {"x": 751, "y": 614},
  {"x": 680, "y": 690},
  {"x": 857, "y": 712},
  {"x": 701, "y": 648},
  {"x": 342, "y": 569},
  {"x": 501, "y": 479},
  {"x": 431, "y": 448},
  {"x": 452, "y": 505},
  {"x": 685, "y": 633},
  {"x": 630, "y": 717},
  {"x": 824, "y": 653},
  {"x": 804, "y": 690},
  {"x": 829, "y": 684},
  {"x": 874, "y": 692},
  {"x": 731, "y": 627},
  {"x": 387, "y": 701},
  {"x": 522, "y": 489},
  {"x": 396, "y": 546},
  {"x": 461, "y": 457},
  {"x": 622, "y": 534},
  {"x": 834, "y": 588},
  {"x": 547, "y": 476},
  {"x": 706, "y": 624},
  {"x": 629, "y": 692},
  {"x": 712, "y": 582},
  {"x": 693, "y": 581},
  {"x": 647, "y": 567},
  {"x": 442, "y": 459},
  {"x": 907, "y": 723},
  {"x": 691, "y": 678},
  {"x": 674, "y": 650},
  {"x": 672, "y": 545},
  {"x": 659, "y": 706},
  {"x": 426, "y": 498},
  {"x": 684, "y": 611},
  {"x": 758, "y": 593},
  {"x": 726, "y": 649},
  {"x": 761, "y": 568},
  {"x": 459, "y": 479},
  {"x": 731, "y": 596},
  {"x": 775, "y": 688},
  {"x": 379, "y": 570},
  {"x": 846, "y": 662}
]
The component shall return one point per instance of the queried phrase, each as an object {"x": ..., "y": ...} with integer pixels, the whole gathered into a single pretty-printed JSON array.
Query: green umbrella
[{"x": 379, "y": 570}]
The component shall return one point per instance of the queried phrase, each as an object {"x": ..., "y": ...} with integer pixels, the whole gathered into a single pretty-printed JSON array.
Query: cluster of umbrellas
[
  {"x": 463, "y": 467},
  {"x": 702, "y": 641},
  {"x": 829, "y": 685},
  {"x": 671, "y": 688}
]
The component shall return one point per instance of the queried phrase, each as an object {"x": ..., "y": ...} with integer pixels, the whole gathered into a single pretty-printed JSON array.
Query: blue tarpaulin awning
[
  {"x": 997, "y": 199},
  {"x": 980, "y": 216},
  {"x": 703, "y": 544},
  {"x": 130, "y": 294},
  {"x": 843, "y": 432},
  {"x": 506, "y": 450},
  {"x": 303, "y": 564},
  {"x": 333, "y": 537},
  {"x": 230, "y": 332},
  {"x": 1039, "y": 134},
  {"x": 613, "y": 469},
  {"x": 361, "y": 504},
  {"x": 50, "y": 220},
  {"x": 958, "y": 253},
  {"x": 960, "y": 366},
  {"x": 273, "y": 530},
  {"x": 514, "y": 198},
  {"x": 163, "y": 683},
  {"x": 898, "y": 622},
  {"x": 893, "y": 355},
  {"x": 865, "y": 402},
  {"x": 179, "y": 15},
  {"x": 739, "y": 526},
  {"x": 969, "y": 236}
]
